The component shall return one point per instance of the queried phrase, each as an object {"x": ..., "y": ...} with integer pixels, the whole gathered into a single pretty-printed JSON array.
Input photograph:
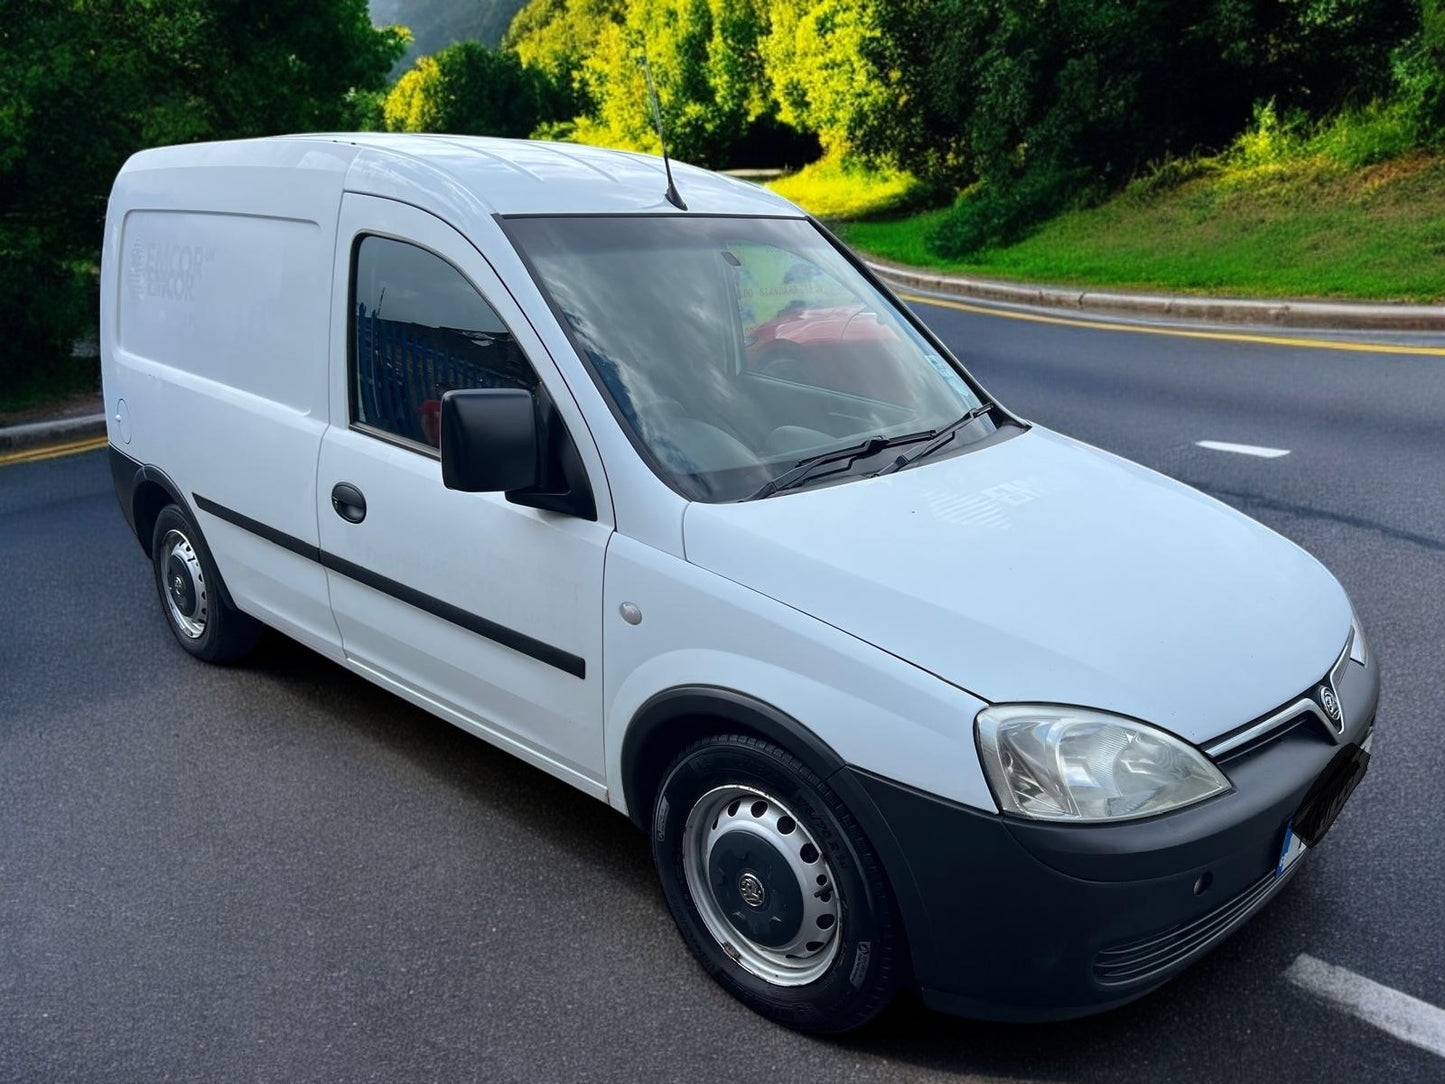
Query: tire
[
  {"x": 192, "y": 596},
  {"x": 774, "y": 886}
]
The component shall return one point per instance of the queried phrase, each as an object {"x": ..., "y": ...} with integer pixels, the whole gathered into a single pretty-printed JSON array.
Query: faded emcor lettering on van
[{"x": 158, "y": 269}]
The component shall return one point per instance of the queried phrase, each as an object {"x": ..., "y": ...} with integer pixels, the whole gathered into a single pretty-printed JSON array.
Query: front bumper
[{"x": 1024, "y": 920}]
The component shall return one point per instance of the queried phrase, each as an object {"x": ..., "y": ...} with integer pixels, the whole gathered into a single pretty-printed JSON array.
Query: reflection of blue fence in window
[{"x": 400, "y": 367}]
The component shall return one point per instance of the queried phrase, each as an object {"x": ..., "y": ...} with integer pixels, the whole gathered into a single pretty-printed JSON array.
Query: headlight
[
  {"x": 1073, "y": 764},
  {"x": 1357, "y": 643}
]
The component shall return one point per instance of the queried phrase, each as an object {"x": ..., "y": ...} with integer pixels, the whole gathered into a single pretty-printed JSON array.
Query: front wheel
[{"x": 774, "y": 886}]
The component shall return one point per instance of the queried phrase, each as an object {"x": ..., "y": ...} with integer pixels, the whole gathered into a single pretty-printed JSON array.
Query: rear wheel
[
  {"x": 191, "y": 594},
  {"x": 774, "y": 886}
]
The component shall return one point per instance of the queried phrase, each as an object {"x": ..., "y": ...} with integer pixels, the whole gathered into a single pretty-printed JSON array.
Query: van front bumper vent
[{"x": 1144, "y": 959}]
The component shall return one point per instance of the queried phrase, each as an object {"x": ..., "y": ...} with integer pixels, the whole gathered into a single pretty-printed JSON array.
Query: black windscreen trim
[{"x": 490, "y": 630}]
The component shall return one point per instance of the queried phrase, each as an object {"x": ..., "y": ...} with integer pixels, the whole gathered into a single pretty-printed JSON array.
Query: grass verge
[
  {"x": 1309, "y": 227},
  {"x": 836, "y": 188}
]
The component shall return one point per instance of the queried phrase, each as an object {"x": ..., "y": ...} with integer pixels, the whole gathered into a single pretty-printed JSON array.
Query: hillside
[
  {"x": 435, "y": 24},
  {"x": 1300, "y": 229}
]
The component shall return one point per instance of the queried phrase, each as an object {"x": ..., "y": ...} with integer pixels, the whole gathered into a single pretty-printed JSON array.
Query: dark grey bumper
[{"x": 1016, "y": 919}]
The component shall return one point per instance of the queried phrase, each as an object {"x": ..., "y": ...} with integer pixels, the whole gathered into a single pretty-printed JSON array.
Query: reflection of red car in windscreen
[{"x": 842, "y": 348}]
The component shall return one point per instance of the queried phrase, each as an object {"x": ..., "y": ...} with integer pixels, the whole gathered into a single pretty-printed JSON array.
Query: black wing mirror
[{"x": 489, "y": 440}]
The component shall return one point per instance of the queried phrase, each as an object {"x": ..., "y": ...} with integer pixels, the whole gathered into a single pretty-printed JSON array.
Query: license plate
[
  {"x": 1323, "y": 804},
  {"x": 1290, "y": 853}
]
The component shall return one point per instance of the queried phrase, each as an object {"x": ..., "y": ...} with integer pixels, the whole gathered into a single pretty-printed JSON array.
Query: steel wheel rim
[
  {"x": 184, "y": 585},
  {"x": 735, "y": 820}
]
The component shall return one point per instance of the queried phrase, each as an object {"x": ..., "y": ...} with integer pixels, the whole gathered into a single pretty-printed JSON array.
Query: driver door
[{"x": 483, "y": 611}]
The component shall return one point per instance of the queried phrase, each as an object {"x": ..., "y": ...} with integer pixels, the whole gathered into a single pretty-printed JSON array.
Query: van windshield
[{"x": 734, "y": 349}]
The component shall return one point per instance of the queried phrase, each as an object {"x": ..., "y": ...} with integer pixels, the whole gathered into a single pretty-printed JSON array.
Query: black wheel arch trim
[
  {"x": 640, "y": 778},
  {"x": 129, "y": 475},
  {"x": 672, "y": 706},
  {"x": 125, "y": 474}
]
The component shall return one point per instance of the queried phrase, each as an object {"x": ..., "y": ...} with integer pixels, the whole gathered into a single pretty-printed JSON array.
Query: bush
[
  {"x": 1269, "y": 140},
  {"x": 1352, "y": 138},
  {"x": 48, "y": 304},
  {"x": 993, "y": 214},
  {"x": 1168, "y": 173},
  {"x": 1420, "y": 86},
  {"x": 1362, "y": 137}
]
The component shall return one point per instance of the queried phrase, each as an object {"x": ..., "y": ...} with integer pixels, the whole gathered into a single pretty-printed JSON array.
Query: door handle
[{"x": 348, "y": 502}]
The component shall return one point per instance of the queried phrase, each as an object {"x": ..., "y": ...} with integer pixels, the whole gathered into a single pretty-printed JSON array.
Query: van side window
[{"x": 419, "y": 330}]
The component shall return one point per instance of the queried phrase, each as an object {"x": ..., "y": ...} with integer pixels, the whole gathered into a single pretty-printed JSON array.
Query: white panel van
[{"x": 681, "y": 505}]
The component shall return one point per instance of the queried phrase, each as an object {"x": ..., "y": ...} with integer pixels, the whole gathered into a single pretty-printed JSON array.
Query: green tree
[
  {"x": 1420, "y": 69},
  {"x": 818, "y": 55},
  {"x": 472, "y": 90},
  {"x": 557, "y": 35},
  {"x": 86, "y": 83},
  {"x": 436, "y": 24},
  {"x": 1036, "y": 103},
  {"x": 708, "y": 70},
  {"x": 554, "y": 37}
]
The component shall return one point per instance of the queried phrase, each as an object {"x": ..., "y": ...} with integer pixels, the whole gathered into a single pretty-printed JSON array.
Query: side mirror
[{"x": 489, "y": 440}]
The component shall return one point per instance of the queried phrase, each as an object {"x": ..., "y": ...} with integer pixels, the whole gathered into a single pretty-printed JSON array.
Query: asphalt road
[{"x": 278, "y": 872}]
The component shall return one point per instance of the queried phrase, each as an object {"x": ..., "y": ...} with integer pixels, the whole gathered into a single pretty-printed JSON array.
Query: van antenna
[{"x": 671, "y": 193}]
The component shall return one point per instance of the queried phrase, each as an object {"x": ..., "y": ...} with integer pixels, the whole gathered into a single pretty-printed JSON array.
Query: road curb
[
  {"x": 52, "y": 431},
  {"x": 1338, "y": 315}
]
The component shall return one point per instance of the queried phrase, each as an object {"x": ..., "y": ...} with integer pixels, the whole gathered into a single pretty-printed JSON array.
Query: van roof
[{"x": 517, "y": 176}]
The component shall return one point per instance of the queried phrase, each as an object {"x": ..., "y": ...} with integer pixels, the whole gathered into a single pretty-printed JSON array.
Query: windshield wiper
[
  {"x": 806, "y": 468},
  {"x": 941, "y": 438}
]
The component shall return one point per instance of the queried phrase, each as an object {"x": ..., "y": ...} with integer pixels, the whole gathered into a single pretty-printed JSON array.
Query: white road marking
[
  {"x": 1242, "y": 449},
  {"x": 1405, "y": 1017}
]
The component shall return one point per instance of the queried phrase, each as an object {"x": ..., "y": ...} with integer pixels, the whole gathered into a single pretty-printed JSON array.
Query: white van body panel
[
  {"x": 1040, "y": 569},
  {"x": 537, "y": 573},
  {"x": 216, "y": 288},
  {"x": 462, "y": 175},
  {"x": 698, "y": 628},
  {"x": 1023, "y": 586}
]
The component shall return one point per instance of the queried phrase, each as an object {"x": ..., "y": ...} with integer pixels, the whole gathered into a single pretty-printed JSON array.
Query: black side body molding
[
  {"x": 261, "y": 530},
  {"x": 490, "y": 630}
]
